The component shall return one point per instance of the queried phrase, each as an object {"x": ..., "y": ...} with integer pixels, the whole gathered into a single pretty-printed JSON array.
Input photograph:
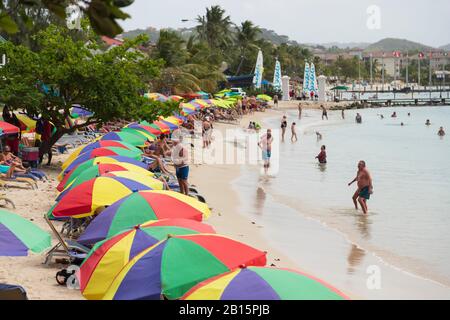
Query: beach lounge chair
[
  {"x": 10, "y": 292},
  {"x": 7, "y": 201},
  {"x": 11, "y": 182},
  {"x": 74, "y": 252}
]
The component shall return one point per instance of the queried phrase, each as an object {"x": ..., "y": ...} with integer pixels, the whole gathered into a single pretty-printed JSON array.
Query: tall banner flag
[
  {"x": 306, "y": 78},
  {"x": 277, "y": 76},
  {"x": 259, "y": 69},
  {"x": 312, "y": 79}
]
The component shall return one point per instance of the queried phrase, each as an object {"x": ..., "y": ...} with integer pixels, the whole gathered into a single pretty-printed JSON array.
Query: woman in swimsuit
[{"x": 283, "y": 127}]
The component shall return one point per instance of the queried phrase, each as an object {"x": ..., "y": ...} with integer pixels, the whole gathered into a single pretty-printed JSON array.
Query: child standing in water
[{"x": 294, "y": 133}]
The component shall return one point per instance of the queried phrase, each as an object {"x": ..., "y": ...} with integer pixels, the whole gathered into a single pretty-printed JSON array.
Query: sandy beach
[{"x": 299, "y": 243}]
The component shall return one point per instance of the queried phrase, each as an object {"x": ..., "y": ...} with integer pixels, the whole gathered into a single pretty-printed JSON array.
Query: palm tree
[
  {"x": 171, "y": 47},
  {"x": 246, "y": 37},
  {"x": 214, "y": 28}
]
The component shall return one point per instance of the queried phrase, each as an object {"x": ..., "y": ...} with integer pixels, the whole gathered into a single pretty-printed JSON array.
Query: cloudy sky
[{"x": 312, "y": 21}]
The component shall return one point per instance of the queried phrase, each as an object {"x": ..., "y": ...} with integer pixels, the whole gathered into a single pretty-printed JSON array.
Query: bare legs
[
  {"x": 363, "y": 204},
  {"x": 355, "y": 198},
  {"x": 362, "y": 201}
]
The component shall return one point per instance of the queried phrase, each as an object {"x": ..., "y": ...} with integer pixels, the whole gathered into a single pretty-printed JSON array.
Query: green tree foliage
[
  {"x": 64, "y": 72},
  {"x": 102, "y": 14},
  {"x": 214, "y": 28}
]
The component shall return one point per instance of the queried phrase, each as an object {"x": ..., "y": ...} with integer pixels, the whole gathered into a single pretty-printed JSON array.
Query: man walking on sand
[
  {"x": 365, "y": 187},
  {"x": 275, "y": 101},
  {"x": 299, "y": 111},
  {"x": 180, "y": 159}
]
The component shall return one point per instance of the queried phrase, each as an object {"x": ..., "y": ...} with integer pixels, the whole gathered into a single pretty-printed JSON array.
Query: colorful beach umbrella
[
  {"x": 135, "y": 154},
  {"x": 171, "y": 125},
  {"x": 264, "y": 97},
  {"x": 162, "y": 126},
  {"x": 140, "y": 132},
  {"x": 92, "y": 162},
  {"x": 86, "y": 176},
  {"x": 95, "y": 145},
  {"x": 85, "y": 199},
  {"x": 174, "y": 119},
  {"x": 108, "y": 257},
  {"x": 133, "y": 139},
  {"x": 140, "y": 207},
  {"x": 171, "y": 267},
  {"x": 157, "y": 97},
  {"x": 150, "y": 128},
  {"x": 78, "y": 111},
  {"x": 79, "y": 176},
  {"x": 7, "y": 128},
  {"x": 258, "y": 283},
  {"x": 18, "y": 236},
  {"x": 176, "y": 98},
  {"x": 27, "y": 124}
]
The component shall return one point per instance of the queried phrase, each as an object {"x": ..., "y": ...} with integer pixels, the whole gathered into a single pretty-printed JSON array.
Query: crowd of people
[{"x": 363, "y": 177}]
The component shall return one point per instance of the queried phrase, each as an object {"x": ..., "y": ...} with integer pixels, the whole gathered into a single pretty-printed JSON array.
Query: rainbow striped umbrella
[
  {"x": 135, "y": 154},
  {"x": 171, "y": 125},
  {"x": 204, "y": 103},
  {"x": 133, "y": 139},
  {"x": 65, "y": 174},
  {"x": 83, "y": 200},
  {"x": 157, "y": 97},
  {"x": 171, "y": 267},
  {"x": 6, "y": 128},
  {"x": 77, "y": 176},
  {"x": 27, "y": 124},
  {"x": 257, "y": 283},
  {"x": 108, "y": 257},
  {"x": 96, "y": 145},
  {"x": 162, "y": 126},
  {"x": 154, "y": 130},
  {"x": 174, "y": 120},
  {"x": 18, "y": 236},
  {"x": 188, "y": 111},
  {"x": 174, "y": 266},
  {"x": 176, "y": 98},
  {"x": 86, "y": 176},
  {"x": 189, "y": 106},
  {"x": 140, "y": 132},
  {"x": 140, "y": 207}
]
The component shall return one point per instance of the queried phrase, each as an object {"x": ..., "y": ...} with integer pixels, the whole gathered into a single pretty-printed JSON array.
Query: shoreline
[
  {"x": 314, "y": 247},
  {"x": 237, "y": 221}
]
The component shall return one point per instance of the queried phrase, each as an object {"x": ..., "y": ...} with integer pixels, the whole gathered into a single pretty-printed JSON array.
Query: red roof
[{"x": 111, "y": 41}]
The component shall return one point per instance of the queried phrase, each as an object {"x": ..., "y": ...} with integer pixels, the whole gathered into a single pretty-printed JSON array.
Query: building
[{"x": 393, "y": 65}]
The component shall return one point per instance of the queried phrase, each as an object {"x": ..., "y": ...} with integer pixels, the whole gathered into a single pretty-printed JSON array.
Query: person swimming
[
  {"x": 358, "y": 118},
  {"x": 394, "y": 115},
  {"x": 441, "y": 132},
  {"x": 428, "y": 123}
]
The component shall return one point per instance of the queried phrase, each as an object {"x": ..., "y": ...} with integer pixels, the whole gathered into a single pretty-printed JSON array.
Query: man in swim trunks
[
  {"x": 180, "y": 159},
  {"x": 266, "y": 146},
  {"x": 365, "y": 187},
  {"x": 324, "y": 112}
]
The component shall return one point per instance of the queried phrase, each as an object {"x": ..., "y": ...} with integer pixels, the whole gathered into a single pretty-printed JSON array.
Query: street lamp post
[
  {"x": 382, "y": 71},
  {"x": 407, "y": 68}
]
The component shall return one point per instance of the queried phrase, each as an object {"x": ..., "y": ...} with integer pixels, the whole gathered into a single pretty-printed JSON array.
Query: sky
[{"x": 311, "y": 21}]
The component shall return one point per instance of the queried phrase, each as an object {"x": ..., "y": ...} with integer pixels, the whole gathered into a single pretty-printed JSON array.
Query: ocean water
[{"x": 408, "y": 224}]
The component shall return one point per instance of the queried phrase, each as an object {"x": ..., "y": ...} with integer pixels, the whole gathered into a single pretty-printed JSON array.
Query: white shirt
[{"x": 180, "y": 156}]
